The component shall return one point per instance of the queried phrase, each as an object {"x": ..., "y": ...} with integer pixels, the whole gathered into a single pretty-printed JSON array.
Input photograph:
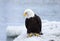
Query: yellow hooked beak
[{"x": 25, "y": 14}]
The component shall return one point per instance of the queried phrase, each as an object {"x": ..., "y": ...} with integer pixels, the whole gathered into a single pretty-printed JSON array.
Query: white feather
[{"x": 30, "y": 13}]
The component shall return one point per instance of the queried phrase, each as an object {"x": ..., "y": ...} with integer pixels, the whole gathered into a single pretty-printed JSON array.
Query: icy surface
[
  {"x": 14, "y": 30},
  {"x": 50, "y": 29}
]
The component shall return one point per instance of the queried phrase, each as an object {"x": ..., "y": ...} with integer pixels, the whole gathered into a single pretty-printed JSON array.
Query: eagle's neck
[{"x": 30, "y": 15}]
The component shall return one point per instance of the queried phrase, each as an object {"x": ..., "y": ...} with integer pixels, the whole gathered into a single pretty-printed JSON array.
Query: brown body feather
[{"x": 33, "y": 24}]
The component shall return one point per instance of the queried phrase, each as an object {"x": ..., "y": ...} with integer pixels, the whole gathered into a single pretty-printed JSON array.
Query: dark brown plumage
[{"x": 33, "y": 24}]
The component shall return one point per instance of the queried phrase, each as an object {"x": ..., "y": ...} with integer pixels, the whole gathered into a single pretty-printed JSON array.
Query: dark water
[{"x": 10, "y": 38}]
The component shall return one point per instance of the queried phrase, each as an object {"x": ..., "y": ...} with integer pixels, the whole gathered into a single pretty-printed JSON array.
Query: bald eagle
[{"x": 33, "y": 23}]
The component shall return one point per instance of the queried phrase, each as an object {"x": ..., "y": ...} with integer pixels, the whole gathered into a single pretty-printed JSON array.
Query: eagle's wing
[
  {"x": 39, "y": 22},
  {"x": 26, "y": 23}
]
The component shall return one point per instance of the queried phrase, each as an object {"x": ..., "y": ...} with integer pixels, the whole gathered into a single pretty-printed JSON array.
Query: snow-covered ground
[{"x": 50, "y": 29}]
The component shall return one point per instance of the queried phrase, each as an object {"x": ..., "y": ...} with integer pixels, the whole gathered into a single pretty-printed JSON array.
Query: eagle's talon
[
  {"x": 30, "y": 35},
  {"x": 36, "y": 34}
]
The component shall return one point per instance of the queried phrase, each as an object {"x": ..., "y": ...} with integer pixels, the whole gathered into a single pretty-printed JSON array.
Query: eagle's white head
[{"x": 28, "y": 13}]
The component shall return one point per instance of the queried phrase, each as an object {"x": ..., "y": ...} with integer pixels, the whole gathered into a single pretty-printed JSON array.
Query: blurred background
[{"x": 11, "y": 12}]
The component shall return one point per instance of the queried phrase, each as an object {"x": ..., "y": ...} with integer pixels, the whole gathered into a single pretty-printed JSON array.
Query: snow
[
  {"x": 34, "y": 38},
  {"x": 14, "y": 30},
  {"x": 50, "y": 29}
]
